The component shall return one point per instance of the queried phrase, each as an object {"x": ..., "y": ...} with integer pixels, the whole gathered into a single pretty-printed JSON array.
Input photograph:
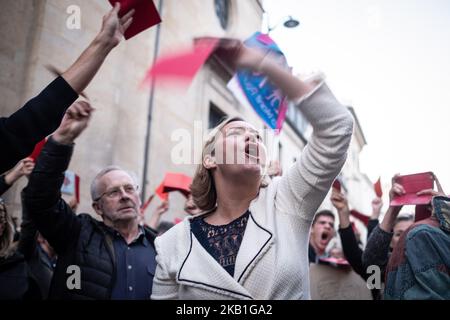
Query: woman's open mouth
[{"x": 252, "y": 151}]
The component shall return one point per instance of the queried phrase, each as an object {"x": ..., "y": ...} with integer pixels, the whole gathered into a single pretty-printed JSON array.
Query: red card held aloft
[
  {"x": 174, "y": 182},
  {"x": 144, "y": 17},
  {"x": 377, "y": 188},
  {"x": 160, "y": 192},
  {"x": 77, "y": 188},
  {"x": 337, "y": 185},
  {"x": 182, "y": 65},
  {"x": 37, "y": 149},
  {"x": 412, "y": 184},
  {"x": 177, "y": 182}
]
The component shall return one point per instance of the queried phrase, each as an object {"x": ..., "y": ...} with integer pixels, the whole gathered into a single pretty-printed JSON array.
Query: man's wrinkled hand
[{"x": 74, "y": 122}]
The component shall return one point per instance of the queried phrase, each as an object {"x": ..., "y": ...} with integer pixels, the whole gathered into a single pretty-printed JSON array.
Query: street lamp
[{"x": 289, "y": 22}]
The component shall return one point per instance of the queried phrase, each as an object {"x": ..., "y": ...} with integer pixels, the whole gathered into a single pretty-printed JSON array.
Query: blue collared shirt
[{"x": 135, "y": 268}]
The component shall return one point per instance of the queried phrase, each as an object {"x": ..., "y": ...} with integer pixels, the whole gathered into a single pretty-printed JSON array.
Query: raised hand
[
  {"x": 113, "y": 27},
  {"x": 74, "y": 122},
  {"x": 396, "y": 189},
  {"x": 239, "y": 55},
  {"x": 162, "y": 208},
  {"x": 23, "y": 168},
  {"x": 339, "y": 200},
  {"x": 431, "y": 192},
  {"x": 156, "y": 217},
  {"x": 389, "y": 218},
  {"x": 377, "y": 204}
]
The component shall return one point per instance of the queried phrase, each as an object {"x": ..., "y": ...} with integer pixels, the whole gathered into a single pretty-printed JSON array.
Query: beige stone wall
[{"x": 34, "y": 34}]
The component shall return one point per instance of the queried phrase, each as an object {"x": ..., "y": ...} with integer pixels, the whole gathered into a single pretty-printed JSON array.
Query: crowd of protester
[{"x": 245, "y": 235}]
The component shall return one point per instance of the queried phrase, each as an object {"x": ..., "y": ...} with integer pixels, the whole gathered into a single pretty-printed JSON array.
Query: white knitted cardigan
[{"x": 272, "y": 262}]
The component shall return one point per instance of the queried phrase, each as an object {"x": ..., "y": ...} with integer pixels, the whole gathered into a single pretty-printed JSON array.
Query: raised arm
[
  {"x": 377, "y": 247},
  {"x": 80, "y": 74},
  {"x": 156, "y": 216},
  {"x": 306, "y": 184},
  {"x": 42, "y": 197},
  {"x": 377, "y": 204},
  {"x": 22, "y": 168},
  {"x": 352, "y": 252},
  {"x": 41, "y": 115}
]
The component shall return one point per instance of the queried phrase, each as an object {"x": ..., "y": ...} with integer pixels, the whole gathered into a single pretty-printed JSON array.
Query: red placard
[
  {"x": 337, "y": 185},
  {"x": 160, "y": 192},
  {"x": 77, "y": 188},
  {"x": 377, "y": 188},
  {"x": 412, "y": 184},
  {"x": 174, "y": 182},
  {"x": 144, "y": 17},
  {"x": 177, "y": 182},
  {"x": 37, "y": 149}
]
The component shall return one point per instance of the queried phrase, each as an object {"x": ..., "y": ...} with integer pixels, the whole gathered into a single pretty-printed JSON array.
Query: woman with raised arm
[{"x": 251, "y": 242}]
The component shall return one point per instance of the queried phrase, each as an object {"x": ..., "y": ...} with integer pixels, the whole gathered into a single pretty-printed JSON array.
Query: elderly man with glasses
[{"x": 109, "y": 259}]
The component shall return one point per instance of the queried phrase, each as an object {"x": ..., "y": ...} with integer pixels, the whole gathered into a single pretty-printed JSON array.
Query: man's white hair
[{"x": 94, "y": 185}]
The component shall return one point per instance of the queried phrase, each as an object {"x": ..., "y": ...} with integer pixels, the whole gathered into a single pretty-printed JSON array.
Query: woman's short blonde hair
[{"x": 203, "y": 188}]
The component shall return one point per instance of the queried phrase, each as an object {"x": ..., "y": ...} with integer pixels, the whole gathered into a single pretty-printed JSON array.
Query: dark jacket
[
  {"x": 371, "y": 225},
  {"x": 352, "y": 251},
  {"x": 39, "y": 265},
  {"x": 354, "y": 254},
  {"x": 16, "y": 282},
  {"x": 78, "y": 240},
  {"x": 38, "y": 118},
  {"x": 419, "y": 267}
]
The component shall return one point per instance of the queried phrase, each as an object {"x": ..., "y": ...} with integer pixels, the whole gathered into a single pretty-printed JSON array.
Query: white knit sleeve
[{"x": 302, "y": 189}]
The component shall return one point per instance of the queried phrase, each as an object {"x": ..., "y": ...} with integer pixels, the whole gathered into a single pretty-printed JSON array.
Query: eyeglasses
[{"x": 116, "y": 192}]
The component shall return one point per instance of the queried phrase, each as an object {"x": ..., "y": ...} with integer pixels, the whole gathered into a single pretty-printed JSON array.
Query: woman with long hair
[
  {"x": 6, "y": 232},
  {"x": 15, "y": 281},
  {"x": 251, "y": 242}
]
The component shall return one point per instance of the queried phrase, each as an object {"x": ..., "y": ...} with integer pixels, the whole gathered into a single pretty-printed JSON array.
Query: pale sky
[{"x": 389, "y": 59}]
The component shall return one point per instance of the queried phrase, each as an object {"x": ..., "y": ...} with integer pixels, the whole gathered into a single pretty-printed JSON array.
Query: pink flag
[{"x": 183, "y": 65}]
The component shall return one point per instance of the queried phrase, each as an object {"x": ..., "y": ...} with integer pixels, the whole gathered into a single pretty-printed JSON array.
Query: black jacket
[
  {"x": 38, "y": 118},
  {"x": 353, "y": 254},
  {"x": 38, "y": 264},
  {"x": 78, "y": 240},
  {"x": 16, "y": 282}
]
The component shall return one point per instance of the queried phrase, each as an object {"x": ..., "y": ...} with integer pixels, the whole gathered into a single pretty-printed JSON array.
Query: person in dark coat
[
  {"x": 16, "y": 283},
  {"x": 109, "y": 259},
  {"x": 40, "y": 116},
  {"x": 22, "y": 168}
]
